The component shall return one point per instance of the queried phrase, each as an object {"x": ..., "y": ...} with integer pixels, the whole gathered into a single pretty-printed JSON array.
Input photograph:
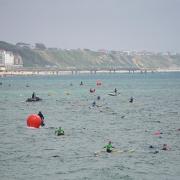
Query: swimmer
[
  {"x": 59, "y": 131},
  {"x": 94, "y": 104},
  {"x": 98, "y": 98},
  {"x": 152, "y": 147},
  {"x": 131, "y": 100},
  {"x": 165, "y": 147},
  {"x": 155, "y": 152}
]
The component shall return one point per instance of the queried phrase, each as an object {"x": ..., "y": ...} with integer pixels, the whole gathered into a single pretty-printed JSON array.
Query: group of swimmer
[
  {"x": 164, "y": 148},
  {"x": 115, "y": 91},
  {"x": 108, "y": 147},
  {"x": 59, "y": 131}
]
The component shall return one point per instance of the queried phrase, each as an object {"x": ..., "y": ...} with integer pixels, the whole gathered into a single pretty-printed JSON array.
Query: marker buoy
[
  {"x": 98, "y": 83},
  {"x": 34, "y": 120}
]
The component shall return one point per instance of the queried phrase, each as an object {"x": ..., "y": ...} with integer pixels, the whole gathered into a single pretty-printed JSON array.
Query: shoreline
[{"x": 69, "y": 72}]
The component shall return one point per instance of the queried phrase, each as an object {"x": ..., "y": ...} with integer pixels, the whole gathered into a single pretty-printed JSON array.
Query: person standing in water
[
  {"x": 109, "y": 147},
  {"x": 42, "y": 118}
]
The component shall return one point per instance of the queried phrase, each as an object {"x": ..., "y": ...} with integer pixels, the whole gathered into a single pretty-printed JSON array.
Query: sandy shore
[{"x": 30, "y": 73}]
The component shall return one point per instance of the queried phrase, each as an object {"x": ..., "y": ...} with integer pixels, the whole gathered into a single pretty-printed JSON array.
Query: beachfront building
[
  {"x": 2, "y": 57},
  {"x": 18, "y": 60},
  {"x": 8, "y": 59}
]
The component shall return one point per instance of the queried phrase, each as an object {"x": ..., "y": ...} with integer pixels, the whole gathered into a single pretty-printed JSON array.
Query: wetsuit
[
  {"x": 131, "y": 100},
  {"x": 115, "y": 90},
  {"x": 42, "y": 118},
  {"x": 165, "y": 148},
  {"x": 109, "y": 148},
  {"x": 98, "y": 98},
  {"x": 59, "y": 132},
  {"x": 33, "y": 95},
  {"x": 94, "y": 104}
]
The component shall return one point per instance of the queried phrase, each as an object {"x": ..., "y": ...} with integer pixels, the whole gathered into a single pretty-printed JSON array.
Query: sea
[{"x": 38, "y": 154}]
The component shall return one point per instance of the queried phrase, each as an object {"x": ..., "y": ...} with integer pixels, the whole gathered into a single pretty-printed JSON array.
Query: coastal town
[{"x": 27, "y": 59}]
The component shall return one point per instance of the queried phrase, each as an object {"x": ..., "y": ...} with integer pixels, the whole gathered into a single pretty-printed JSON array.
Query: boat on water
[{"x": 33, "y": 99}]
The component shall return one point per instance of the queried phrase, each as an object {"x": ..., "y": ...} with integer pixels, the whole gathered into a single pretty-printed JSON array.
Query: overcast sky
[{"x": 152, "y": 25}]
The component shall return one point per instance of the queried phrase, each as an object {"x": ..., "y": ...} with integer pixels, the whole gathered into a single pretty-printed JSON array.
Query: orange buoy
[{"x": 34, "y": 120}]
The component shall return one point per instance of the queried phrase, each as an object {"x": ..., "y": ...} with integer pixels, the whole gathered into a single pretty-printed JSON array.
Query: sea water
[{"x": 40, "y": 154}]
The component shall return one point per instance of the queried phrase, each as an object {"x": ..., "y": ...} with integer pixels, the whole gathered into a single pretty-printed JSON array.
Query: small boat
[{"x": 33, "y": 99}]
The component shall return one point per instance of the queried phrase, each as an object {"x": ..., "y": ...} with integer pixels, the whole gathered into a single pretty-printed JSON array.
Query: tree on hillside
[{"x": 40, "y": 46}]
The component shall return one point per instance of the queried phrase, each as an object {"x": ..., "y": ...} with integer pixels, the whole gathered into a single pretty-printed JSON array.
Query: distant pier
[{"x": 73, "y": 71}]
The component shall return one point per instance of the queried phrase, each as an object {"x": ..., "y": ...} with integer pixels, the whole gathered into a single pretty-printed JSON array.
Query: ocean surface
[{"x": 27, "y": 154}]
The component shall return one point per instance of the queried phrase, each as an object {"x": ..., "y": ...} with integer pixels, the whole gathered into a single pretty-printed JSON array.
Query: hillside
[{"x": 85, "y": 58}]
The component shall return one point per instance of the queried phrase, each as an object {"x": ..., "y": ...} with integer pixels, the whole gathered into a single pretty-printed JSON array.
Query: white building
[
  {"x": 7, "y": 58},
  {"x": 2, "y": 57},
  {"x": 18, "y": 60}
]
